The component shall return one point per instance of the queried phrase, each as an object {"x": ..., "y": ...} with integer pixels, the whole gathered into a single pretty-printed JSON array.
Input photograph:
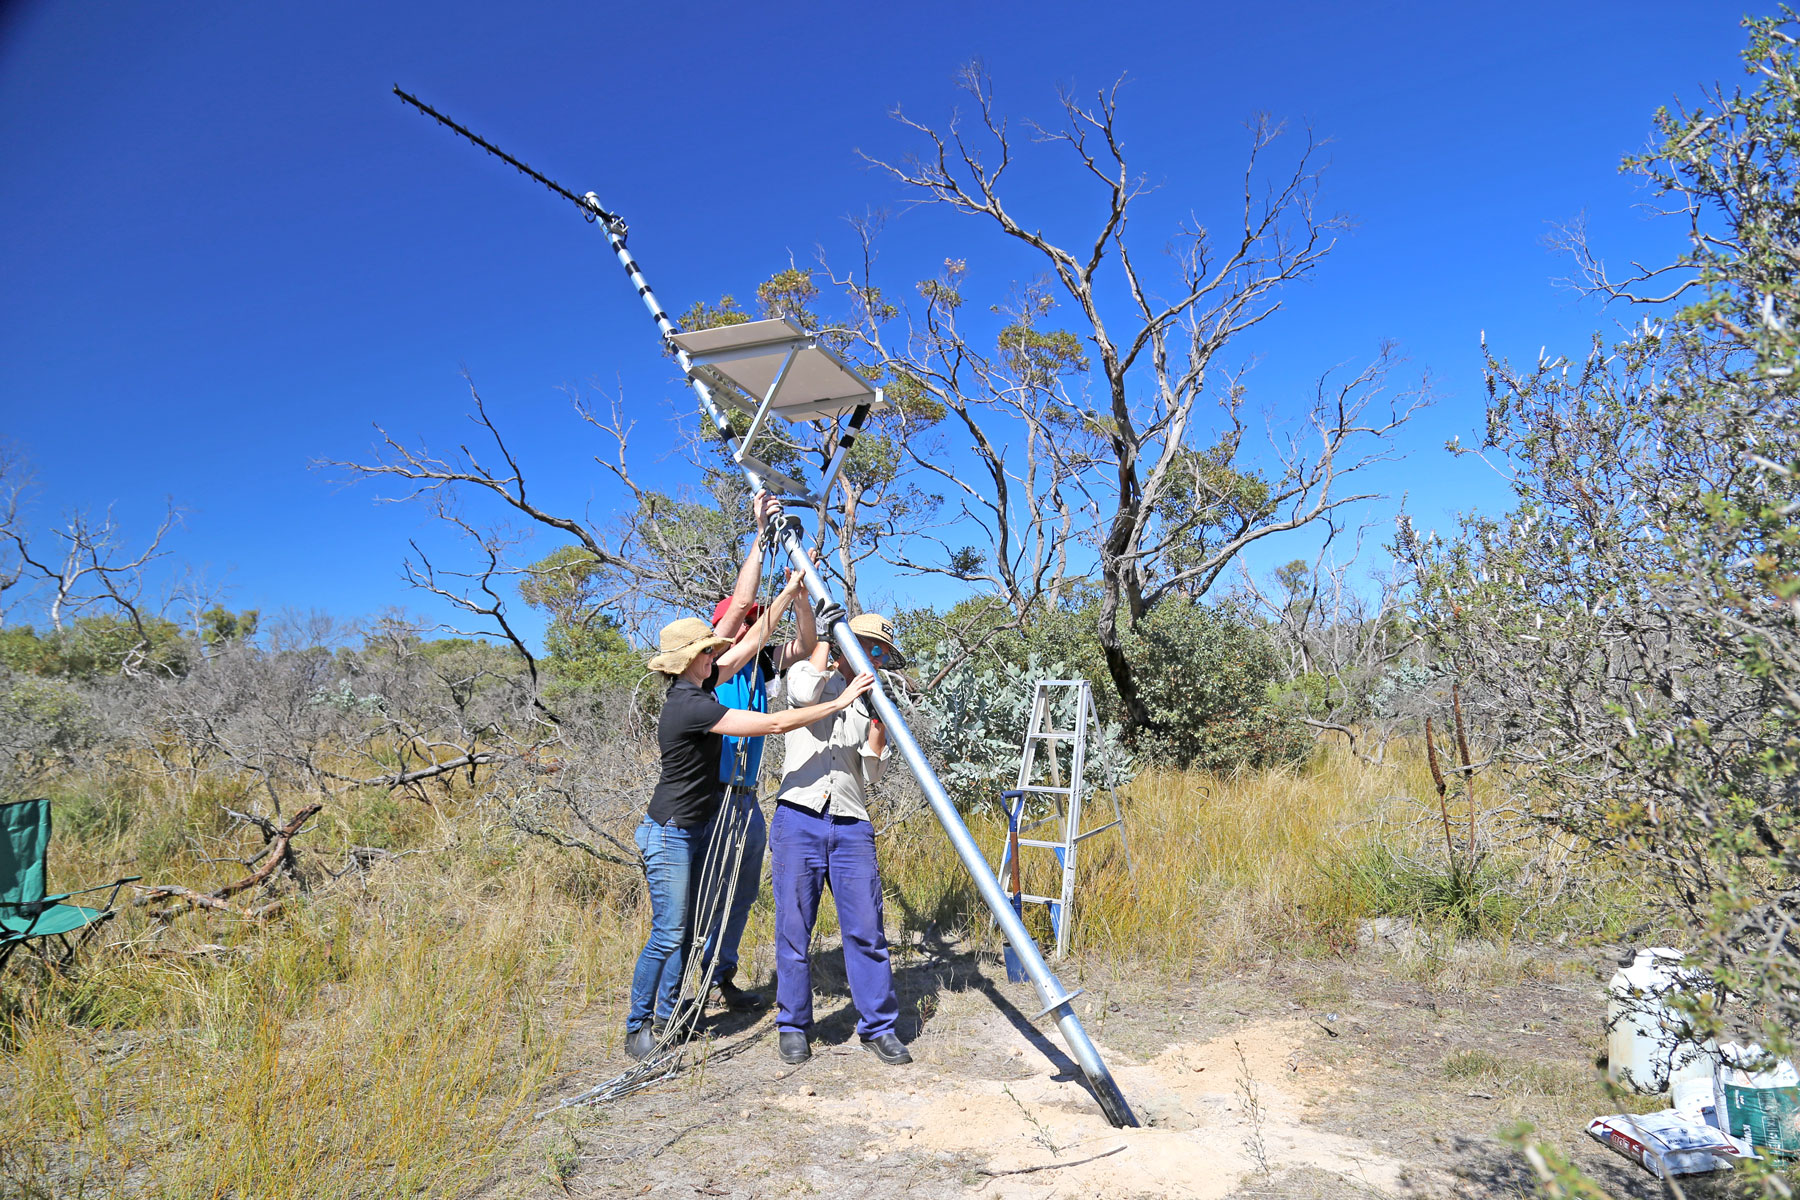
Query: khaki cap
[{"x": 878, "y": 628}]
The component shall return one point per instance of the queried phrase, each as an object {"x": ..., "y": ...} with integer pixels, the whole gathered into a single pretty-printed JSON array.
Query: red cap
[{"x": 750, "y": 615}]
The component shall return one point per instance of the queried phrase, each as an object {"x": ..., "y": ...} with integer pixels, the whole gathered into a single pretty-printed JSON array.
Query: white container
[
  {"x": 1645, "y": 1046},
  {"x": 1665, "y": 1143}
]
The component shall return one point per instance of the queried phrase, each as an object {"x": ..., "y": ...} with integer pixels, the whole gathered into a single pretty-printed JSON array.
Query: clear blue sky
[{"x": 228, "y": 249}]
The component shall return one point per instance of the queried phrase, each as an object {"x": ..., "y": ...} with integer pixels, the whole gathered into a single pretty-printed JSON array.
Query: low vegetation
[{"x": 392, "y": 1031}]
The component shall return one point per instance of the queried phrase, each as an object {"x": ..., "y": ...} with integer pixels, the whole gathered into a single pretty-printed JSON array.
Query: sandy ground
[{"x": 1304, "y": 1080}]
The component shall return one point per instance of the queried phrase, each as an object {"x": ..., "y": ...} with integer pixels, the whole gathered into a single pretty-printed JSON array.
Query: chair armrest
[
  {"x": 113, "y": 899},
  {"x": 32, "y": 908}
]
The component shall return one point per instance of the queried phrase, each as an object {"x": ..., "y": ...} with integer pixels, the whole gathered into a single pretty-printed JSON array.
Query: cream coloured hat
[{"x": 683, "y": 641}]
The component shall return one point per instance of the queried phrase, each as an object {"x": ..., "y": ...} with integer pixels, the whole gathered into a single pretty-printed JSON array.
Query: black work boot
[
  {"x": 640, "y": 1041},
  {"x": 688, "y": 1014},
  {"x": 793, "y": 1047},
  {"x": 736, "y": 998},
  {"x": 888, "y": 1048}
]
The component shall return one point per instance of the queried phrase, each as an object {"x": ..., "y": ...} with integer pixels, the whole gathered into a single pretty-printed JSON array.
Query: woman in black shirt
[{"x": 675, "y": 829}]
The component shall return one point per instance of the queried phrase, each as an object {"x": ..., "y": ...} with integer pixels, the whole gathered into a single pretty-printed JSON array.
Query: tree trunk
[{"x": 1137, "y": 714}]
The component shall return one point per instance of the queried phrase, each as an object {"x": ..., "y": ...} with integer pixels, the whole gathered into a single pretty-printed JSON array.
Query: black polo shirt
[{"x": 689, "y": 789}]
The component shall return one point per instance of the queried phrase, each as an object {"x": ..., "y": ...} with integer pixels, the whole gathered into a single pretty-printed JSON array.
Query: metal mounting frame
[{"x": 775, "y": 368}]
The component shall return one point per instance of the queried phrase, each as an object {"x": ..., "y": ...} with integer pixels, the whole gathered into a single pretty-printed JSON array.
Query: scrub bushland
[{"x": 391, "y": 1028}]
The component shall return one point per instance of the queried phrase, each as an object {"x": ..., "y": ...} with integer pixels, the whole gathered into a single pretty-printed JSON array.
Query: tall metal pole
[{"x": 1051, "y": 994}]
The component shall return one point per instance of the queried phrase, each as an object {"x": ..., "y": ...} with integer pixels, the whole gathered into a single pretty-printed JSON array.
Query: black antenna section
[{"x": 590, "y": 207}]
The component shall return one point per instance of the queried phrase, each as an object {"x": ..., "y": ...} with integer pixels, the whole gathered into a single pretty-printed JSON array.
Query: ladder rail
[
  {"x": 1077, "y": 780},
  {"x": 1068, "y": 805}
]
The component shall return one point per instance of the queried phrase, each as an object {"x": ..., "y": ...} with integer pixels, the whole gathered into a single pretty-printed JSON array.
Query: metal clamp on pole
[
  {"x": 1057, "y": 1003},
  {"x": 779, "y": 529}
]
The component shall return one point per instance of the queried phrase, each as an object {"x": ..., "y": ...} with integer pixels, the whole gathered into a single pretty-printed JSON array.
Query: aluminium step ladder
[{"x": 1069, "y": 793}]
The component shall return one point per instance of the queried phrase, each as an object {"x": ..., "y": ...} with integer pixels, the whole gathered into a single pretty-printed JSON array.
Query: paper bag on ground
[{"x": 1665, "y": 1143}]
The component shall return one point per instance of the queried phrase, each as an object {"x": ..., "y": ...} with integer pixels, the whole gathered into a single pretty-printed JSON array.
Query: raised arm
[
  {"x": 806, "y": 630},
  {"x": 741, "y": 722},
  {"x": 738, "y": 656},
  {"x": 749, "y": 577}
]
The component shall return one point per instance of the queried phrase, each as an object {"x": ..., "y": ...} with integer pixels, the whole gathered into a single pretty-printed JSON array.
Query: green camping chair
[{"x": 26, "y": 914}]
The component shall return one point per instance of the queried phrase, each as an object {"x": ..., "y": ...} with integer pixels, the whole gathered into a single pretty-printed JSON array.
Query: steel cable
[{"x": 711, "y": 913}]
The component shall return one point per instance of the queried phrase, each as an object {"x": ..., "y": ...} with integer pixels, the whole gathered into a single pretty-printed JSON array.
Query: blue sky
[{"x": 228, "y": 249}]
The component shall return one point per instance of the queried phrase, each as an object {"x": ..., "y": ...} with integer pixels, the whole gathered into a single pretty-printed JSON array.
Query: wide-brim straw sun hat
[
  {"x": 682, "y": 642},
  {"x": 878, "y": 628}
]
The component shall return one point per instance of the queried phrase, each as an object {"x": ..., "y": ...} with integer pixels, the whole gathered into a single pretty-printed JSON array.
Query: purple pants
[{"x": 808, "y": 852}]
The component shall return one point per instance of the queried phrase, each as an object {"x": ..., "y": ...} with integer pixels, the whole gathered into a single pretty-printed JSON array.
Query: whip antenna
[{"x": 589, "y": 206}]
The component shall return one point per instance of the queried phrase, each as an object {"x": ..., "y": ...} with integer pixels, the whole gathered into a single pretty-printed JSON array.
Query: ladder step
[
  {"x": 1036, "y": 842},
  {"x": 1054, "y": 734},
  {"x": 1038, "y": 787},
  {"x": 1099, "y": 829}
]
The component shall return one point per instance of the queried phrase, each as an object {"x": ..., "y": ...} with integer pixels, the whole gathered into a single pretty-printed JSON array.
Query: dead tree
[{"x": 1099, "y": 437}]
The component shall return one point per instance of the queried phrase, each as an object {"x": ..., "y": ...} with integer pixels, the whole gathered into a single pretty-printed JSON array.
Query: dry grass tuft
[
  {"x": 383, "y": 1039},
  {"x": 1224, "y": 868}
]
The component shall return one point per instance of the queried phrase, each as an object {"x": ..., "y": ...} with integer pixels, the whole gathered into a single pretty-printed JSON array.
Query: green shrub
[
  {"x": 1207, "y": 673},
  {"x": 44, "y": 724}
]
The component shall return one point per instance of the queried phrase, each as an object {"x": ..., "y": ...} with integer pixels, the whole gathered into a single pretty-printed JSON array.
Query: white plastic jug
[{"x": 1645, "y": 1050}]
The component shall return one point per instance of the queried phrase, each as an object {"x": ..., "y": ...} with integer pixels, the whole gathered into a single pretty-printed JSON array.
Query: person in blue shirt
[{"x": 738, "y": 617}]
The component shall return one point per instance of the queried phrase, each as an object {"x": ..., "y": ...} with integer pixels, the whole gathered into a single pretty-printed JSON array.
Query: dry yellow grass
[
  {"x": 389, "y": 1033},
  {"x": 1224, "y": 868}
]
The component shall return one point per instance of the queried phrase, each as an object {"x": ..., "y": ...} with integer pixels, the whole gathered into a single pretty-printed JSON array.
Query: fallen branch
[
  {"x": 399, "y": 779},
  {"x": 277, "y": 853},
  {"x": 201, "y": 900},
  {"x": 1050, "y": 1166}
]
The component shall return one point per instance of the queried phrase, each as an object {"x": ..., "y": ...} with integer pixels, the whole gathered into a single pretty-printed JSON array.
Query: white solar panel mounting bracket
[
  {"x": 774, "y": 368},
  {"x": 762, "y": 411}
]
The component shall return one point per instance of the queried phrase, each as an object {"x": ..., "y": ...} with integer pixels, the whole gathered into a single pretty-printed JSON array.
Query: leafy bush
[
  {"x": 1207, "y": 673},
  {"x": 90, "y": 647},
  {"x": 1630, "y": 631},
  {"x": 975, "y": 727},
  {"x": 44, "y": 724}
]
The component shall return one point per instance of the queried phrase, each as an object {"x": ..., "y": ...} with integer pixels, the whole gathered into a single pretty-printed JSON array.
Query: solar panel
[{"x": 744, "y": 362}]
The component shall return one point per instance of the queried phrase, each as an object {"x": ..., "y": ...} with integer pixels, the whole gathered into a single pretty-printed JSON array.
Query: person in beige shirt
[{"x": 821, "y": 837}]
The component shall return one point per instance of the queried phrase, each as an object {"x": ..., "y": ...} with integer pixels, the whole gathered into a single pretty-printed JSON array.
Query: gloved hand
[{"x": 829, "y": 614}]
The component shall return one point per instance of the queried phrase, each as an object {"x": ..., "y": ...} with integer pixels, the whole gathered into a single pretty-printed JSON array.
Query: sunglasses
[{"x": 876, "y": 651}]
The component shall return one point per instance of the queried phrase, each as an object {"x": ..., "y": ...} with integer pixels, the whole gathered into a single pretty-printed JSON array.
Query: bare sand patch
[{"x": 1200, "y": 1137}]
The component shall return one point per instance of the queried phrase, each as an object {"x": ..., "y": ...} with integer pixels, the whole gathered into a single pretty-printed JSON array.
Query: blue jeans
[
  {"x": 672, "y": 857},
  {"x": 809, "y": 852},
  {"x": 749, "y": 881}
]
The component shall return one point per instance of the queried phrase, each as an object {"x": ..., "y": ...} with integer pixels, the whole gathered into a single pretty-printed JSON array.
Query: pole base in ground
[{"x": 1118, "y": 1113}]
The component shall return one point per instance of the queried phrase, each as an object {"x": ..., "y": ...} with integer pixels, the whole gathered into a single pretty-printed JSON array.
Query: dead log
[{"x": 278, "y": 852}]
